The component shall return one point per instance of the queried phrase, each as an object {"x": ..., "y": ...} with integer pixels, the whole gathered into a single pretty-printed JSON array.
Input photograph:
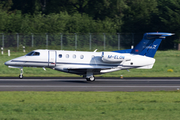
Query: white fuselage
[{"x": 83, "y": 63}]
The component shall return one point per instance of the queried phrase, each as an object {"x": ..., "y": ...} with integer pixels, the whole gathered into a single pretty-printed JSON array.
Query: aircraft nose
[{"x": 8, "y": 63}]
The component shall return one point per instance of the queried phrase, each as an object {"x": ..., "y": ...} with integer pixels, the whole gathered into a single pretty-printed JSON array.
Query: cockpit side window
[
  {"x": 33, "y": 54},
  {"x": 30, "y": 54},
  {"x": 36, "y": 54}
]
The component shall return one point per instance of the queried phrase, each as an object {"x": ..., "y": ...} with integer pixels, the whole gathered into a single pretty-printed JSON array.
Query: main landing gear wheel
[
  {"x": 21, "y": 74},
  {"x": 91, "y": 79}
]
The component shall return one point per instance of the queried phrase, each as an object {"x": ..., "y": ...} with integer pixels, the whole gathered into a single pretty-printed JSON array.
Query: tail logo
[{"x": 152, "y": 47}]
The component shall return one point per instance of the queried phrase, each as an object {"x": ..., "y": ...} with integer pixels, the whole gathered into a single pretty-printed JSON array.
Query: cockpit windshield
[{"x": 33, "y": 54}]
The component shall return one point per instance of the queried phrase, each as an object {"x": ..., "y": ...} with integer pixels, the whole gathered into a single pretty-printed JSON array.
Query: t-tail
[{"x": 149, "y": 44}]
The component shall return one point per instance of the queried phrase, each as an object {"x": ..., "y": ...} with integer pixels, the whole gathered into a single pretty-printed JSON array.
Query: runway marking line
[{"x": 86, "y": 86}]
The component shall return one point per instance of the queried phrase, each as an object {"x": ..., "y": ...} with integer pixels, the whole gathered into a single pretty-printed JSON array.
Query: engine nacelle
[{"x": 112, "y": 57}]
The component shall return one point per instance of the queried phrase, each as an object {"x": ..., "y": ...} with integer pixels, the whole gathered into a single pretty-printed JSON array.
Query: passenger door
[{"x": 51, "y": 58}]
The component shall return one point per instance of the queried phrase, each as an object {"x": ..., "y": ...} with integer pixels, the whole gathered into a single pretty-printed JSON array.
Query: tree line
[{"x": 89, "y": 16}]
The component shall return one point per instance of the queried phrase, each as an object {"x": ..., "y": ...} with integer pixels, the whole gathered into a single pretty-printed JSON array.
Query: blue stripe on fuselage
[{"x": 79, "y": 64}]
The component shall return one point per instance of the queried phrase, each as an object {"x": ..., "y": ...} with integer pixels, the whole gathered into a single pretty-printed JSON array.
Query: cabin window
[
  {"x": 60, "y": 55},
  {"x": 82, "y": 56},
  {"x": 74, "y": 56},
  {"x": 67, "y": 55}
]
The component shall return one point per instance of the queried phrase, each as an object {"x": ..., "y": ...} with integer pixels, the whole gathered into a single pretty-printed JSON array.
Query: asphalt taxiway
[{"x": 79, "y": 84}]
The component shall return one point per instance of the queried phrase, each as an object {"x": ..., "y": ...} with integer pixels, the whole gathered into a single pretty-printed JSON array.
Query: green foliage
[
  {"x": 170, "y": 14},
  {"x": 53, "y": 23},
  {"x": 90, "y": 16},
  {"x": 139, "y": 15},
  {"x": 3, "y": 20},
  {"x": 5, "y": 5}
]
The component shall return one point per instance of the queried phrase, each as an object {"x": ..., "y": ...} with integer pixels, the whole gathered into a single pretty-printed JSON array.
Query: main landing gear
[
  {"x": 89, "y": 76},
  {"x": 91, "y": 79},
  {"x": 21, "y": 74}
]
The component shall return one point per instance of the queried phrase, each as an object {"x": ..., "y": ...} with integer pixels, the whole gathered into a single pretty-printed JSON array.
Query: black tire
[
  {"x": 88, "y": 79},
  {"x": 91, "y": 79},
  {"x": 20, "y": 76}
]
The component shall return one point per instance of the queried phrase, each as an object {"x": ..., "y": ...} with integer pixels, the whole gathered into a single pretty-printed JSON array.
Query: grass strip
[{"x": 159, "y": 105}]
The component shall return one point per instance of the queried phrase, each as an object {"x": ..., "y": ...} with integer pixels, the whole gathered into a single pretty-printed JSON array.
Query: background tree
[
  {"x": 170, "y": 19},
  {"x": 139, "y": 16}
]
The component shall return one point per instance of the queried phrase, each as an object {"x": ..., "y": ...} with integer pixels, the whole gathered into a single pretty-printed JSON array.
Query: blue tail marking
[{"x": 148, "y": 45}]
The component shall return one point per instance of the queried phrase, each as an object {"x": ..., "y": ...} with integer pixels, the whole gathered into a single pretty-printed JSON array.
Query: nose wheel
[{"x": 21, "y": 74}]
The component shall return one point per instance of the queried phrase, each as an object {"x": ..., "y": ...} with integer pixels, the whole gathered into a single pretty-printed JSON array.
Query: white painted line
[
  {"x": 14, "y": 86},
  {"x": 98, "y": 80}
]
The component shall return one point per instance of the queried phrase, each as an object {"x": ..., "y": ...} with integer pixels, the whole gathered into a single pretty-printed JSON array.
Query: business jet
[{"x": 89, "y": 64}]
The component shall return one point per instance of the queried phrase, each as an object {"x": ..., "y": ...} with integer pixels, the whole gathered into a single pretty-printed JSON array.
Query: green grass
[
  {"x": 90, "y": 105},
  {"x": 165, "y": 60}
]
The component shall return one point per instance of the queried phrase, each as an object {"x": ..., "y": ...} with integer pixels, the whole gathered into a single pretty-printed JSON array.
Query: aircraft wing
[
  {"x": 90, "y": 68},
  {"x": 83, "y": 69},
  {"x": 95, "y": 70}
]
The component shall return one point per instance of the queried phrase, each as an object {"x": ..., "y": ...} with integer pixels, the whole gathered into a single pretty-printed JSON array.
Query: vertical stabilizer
[{"x": 149, "y": 44}]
